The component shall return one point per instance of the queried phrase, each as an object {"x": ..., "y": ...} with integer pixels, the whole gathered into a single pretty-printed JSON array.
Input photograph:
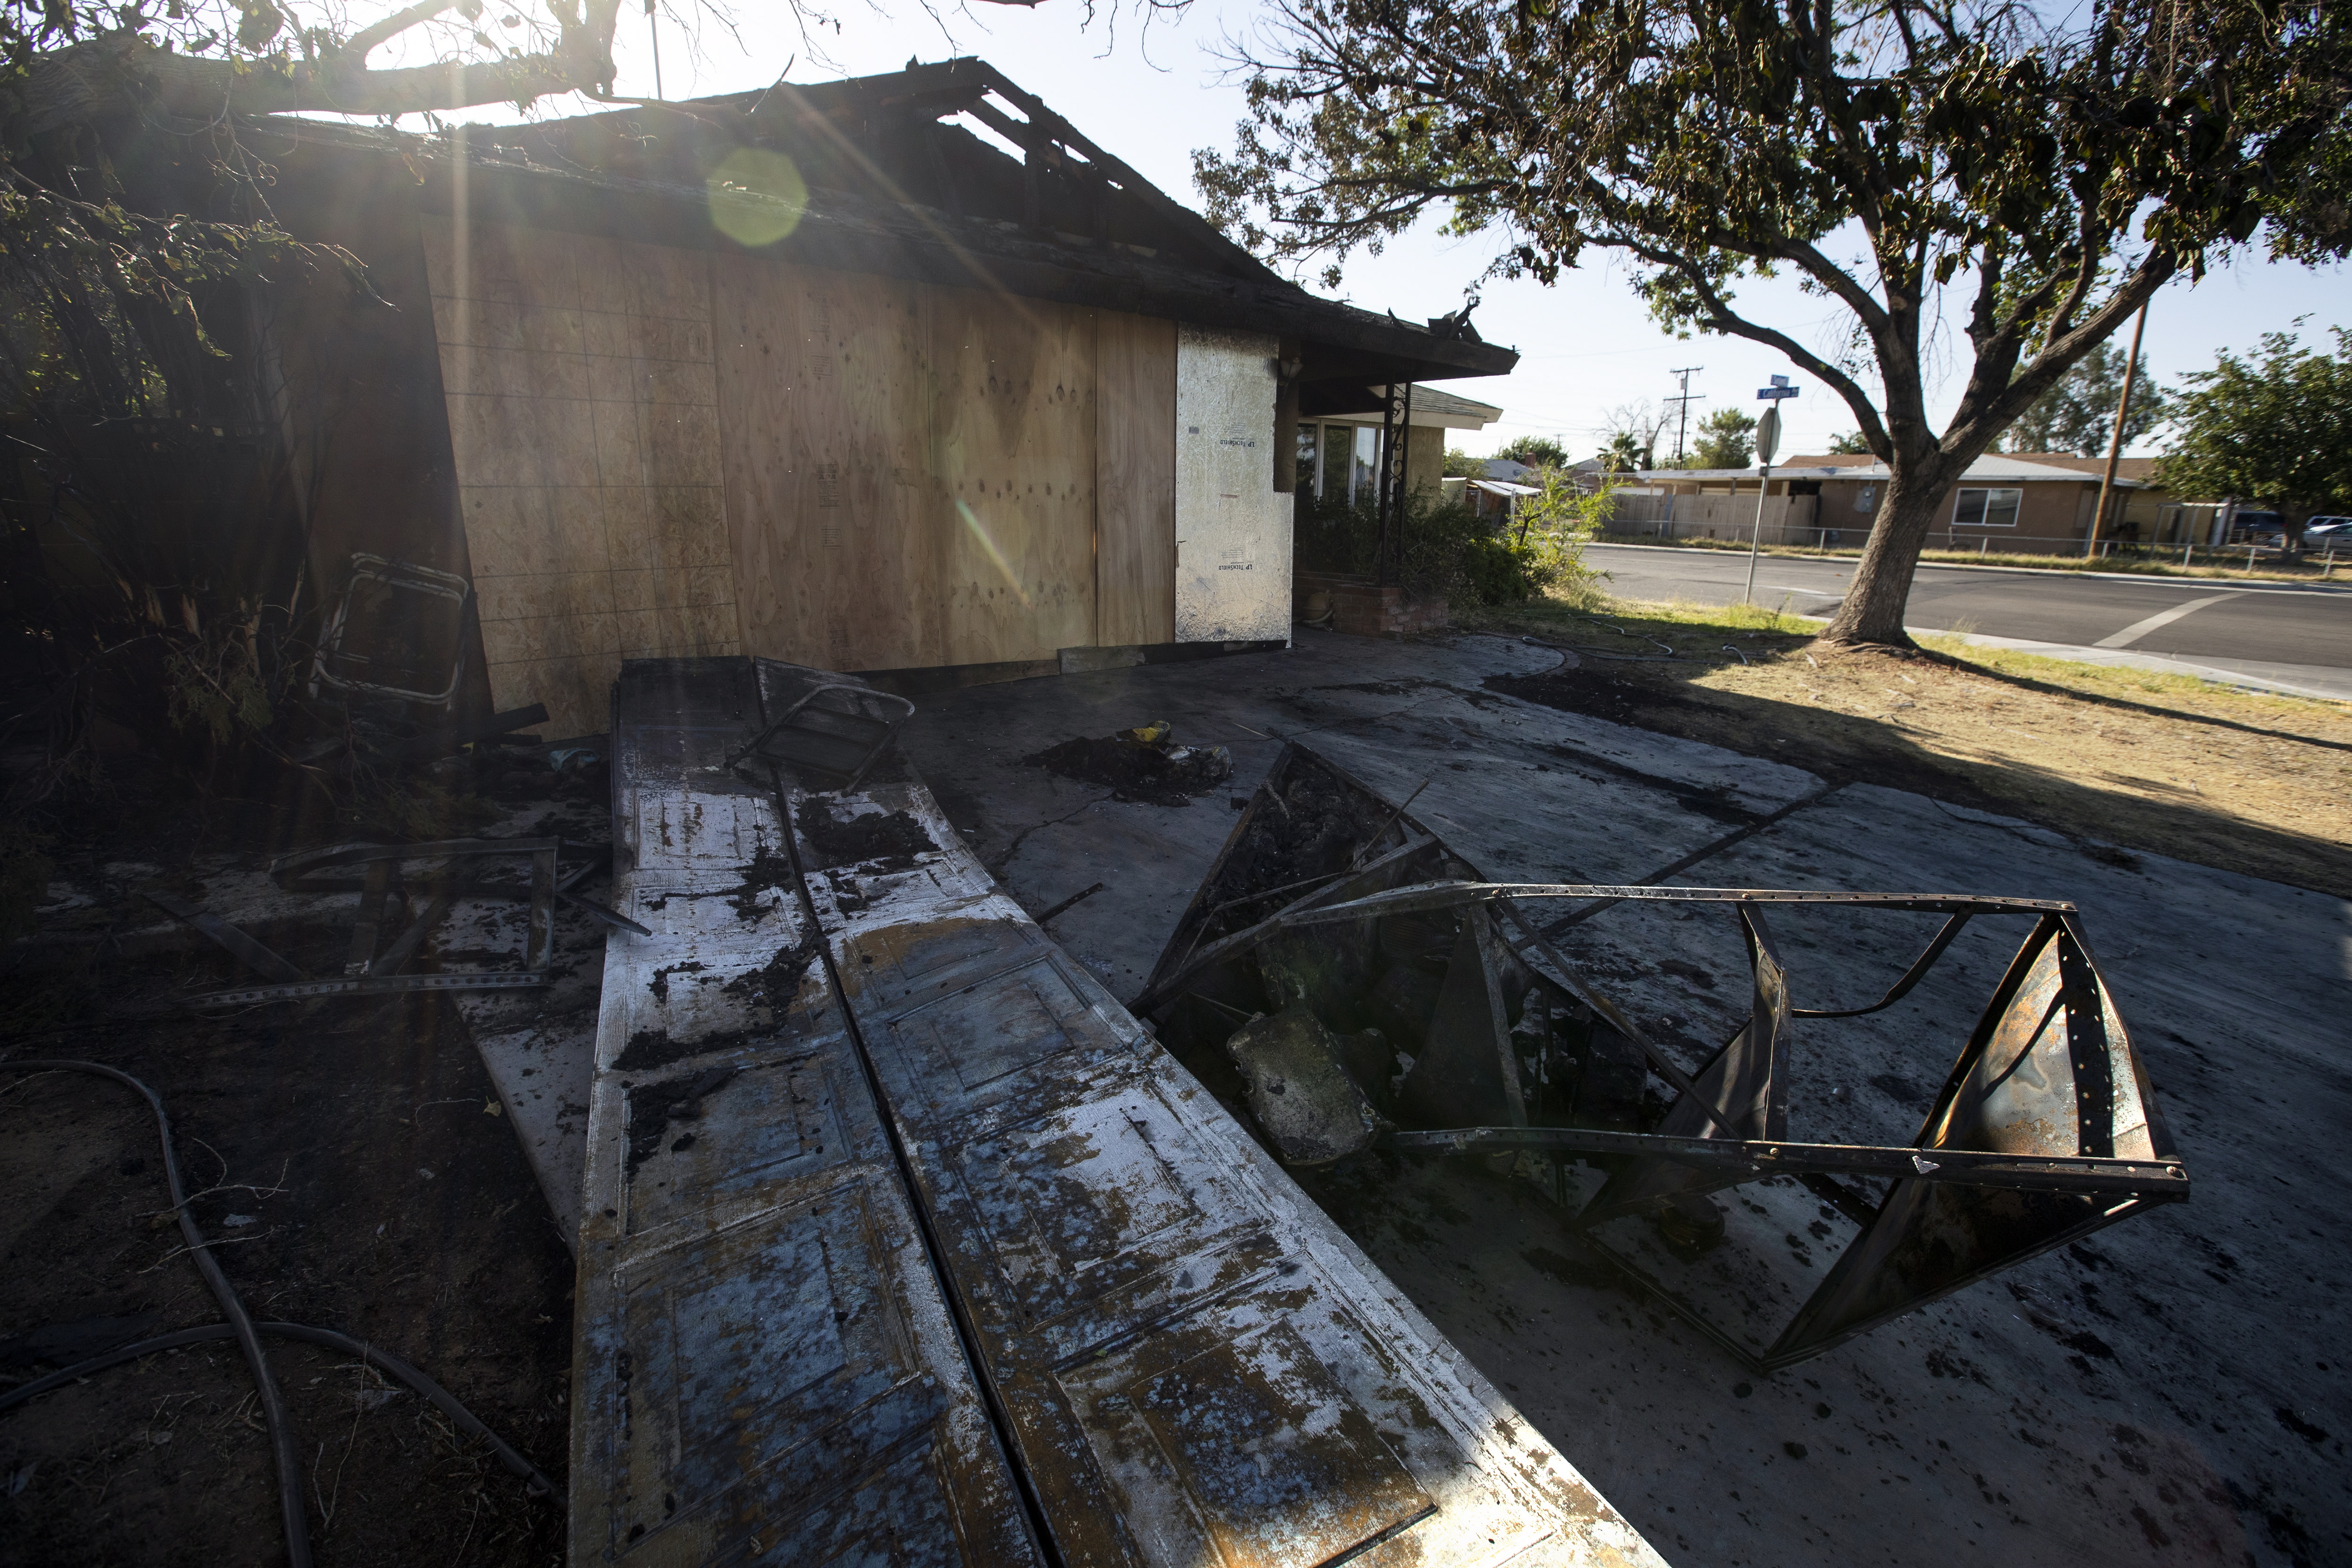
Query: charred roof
[{"x": 900, "y": 183}]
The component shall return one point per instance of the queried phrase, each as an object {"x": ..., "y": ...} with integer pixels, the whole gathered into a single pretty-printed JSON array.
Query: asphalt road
[{"x": 2284, "y": 632}]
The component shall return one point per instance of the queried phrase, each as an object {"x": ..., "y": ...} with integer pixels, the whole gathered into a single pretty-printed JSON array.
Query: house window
[
  {"x": 1334, "y": 484},
  {"x": 1986, "y": 508},
  {"x": 1367, "y": 464},
  {"x": 1310, "y": 477}
]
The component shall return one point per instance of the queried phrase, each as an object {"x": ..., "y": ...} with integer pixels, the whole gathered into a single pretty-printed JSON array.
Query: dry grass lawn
[{"x": 2117, "y": 758}]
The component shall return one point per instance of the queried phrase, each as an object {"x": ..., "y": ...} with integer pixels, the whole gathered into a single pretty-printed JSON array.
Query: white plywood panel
[{"x": 1233, "y": 528}]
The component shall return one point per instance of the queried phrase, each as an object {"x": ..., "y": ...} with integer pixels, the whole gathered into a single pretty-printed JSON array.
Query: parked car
[
  {"x": 2322, "y": 532},
  {"x": 2258, "y": 528}
]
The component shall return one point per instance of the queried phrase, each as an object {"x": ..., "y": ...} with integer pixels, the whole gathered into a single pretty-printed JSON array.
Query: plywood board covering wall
[
  {"x": 920, "y": 476},
  {"x": 1135, "y": 480},
  {"x": 666, "y": 451},
  {"x": 1232, "y": 545},
  {"x": 583, "y": 421}
]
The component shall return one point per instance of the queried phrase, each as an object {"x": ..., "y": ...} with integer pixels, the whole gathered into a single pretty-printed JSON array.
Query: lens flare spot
[{"x": 756, "y": 196}]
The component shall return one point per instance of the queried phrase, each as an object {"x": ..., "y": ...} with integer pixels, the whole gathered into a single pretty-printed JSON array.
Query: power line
[{"x": 1682, "y": 405}]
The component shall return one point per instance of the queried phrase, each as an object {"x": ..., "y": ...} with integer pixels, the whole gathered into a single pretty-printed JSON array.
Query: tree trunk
[{"x": 1873, "y": 612}]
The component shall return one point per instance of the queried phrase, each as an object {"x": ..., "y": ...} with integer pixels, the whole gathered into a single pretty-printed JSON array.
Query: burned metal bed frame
[
  {"x": 2046, "y": 1128},
  {"x": 373, "y": 966}
]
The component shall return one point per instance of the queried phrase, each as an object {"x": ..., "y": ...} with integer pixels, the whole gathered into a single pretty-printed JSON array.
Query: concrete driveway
[{"x": 2176, "y": 1389}]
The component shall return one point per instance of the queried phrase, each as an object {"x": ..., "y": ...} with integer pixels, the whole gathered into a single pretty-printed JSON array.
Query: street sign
[
  {"x": 1778, "y": 389},
  {"x": 1767, "y": 433}
]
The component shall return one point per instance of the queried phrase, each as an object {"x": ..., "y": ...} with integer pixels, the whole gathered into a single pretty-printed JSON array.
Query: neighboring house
[
  {"x": 1497, "y": 498},
  {"x": 2146, "y": 511},
  {"x": 1340, "y": 440},
  {"x": 2025, "y": 504},
  {"x": 953, "y": 408}
]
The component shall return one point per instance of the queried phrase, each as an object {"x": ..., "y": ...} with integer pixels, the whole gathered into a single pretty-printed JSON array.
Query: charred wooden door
[{"x": 765, "y": 1366}]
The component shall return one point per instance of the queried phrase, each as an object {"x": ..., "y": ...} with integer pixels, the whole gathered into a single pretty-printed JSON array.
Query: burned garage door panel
[
  {"x": 1064, "y": 1196},
  {"x": 780, "y": 1122},
  {"x": 723, "y": 969},
  {"x": 1149, "y": 1294},
  {"x": 1266, "y": 1456},
  {"x": 1101, "y": 1212},
  {"x": 797, "y": 1292},
  {"x": 697, "y": 918},
  {"x": 905, "y": 1512},
  {"x": 749, "y": 1372},
  {"x": 911, "y": 965},
  {"x": 990, "y": 1041},
  {"x": 690, "y": 831},
  {"x": 765, "y": 1367}
]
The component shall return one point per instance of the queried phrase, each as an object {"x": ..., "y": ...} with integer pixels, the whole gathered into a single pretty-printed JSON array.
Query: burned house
[{"x": 900, "y": 374}]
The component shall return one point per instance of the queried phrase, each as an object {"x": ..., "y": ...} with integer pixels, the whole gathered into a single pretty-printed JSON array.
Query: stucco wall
[{"x": 1233, "y": 528}]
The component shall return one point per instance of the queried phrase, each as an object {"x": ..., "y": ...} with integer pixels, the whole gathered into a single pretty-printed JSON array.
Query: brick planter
[{"x": 1363, "y": 608}]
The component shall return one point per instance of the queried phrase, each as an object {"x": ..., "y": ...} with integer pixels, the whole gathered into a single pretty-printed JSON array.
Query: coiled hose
[{"x": 241, "y": 1328}]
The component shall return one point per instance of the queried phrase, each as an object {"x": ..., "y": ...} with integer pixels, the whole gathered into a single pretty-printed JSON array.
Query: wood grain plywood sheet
[
  {"x": 1233, "y": 528},
  {"x": 1135, "y": 480},
  {"x": 910, "y": 471},
  {"x": 582, "y": 413},
  {"x": 1012, "y": 428},
  {"x": 826, "y": 434}
]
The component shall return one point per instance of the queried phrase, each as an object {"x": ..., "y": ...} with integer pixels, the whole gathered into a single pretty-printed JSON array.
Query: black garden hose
[
  {"x": 240, "y": 1324},
  {"x": 241, "y": 1328},
  {"x": 442, "y": 1399}
]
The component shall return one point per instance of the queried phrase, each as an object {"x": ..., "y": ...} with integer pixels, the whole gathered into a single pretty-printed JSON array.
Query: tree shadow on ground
[{"x": 2118, "y": 760}]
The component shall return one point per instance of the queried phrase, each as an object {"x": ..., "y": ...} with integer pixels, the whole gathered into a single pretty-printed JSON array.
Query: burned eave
[{"x": 896, "y": 190}]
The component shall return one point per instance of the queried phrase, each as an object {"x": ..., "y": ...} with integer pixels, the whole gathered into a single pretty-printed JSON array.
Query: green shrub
[{"x": 1442, "y": 547}]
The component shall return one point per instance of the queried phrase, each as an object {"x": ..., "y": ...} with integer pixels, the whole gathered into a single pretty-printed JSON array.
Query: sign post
[{"x": 1768, "y": 441}]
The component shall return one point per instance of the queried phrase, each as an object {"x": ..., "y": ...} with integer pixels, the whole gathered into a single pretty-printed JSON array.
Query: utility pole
[
  {"x": 653, "y": 30},
  {"x": 2115, "y": 446},
  {"x": 1682, "y": 406}
]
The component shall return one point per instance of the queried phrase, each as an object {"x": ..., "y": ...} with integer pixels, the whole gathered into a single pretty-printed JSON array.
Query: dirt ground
[
  {"x": 2120, "y": 759},
  {"x": 354, "y": 1178}
]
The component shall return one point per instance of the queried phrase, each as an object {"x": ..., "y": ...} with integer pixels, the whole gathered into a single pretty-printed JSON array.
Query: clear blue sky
[{"x": 1152, "y": 95}]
